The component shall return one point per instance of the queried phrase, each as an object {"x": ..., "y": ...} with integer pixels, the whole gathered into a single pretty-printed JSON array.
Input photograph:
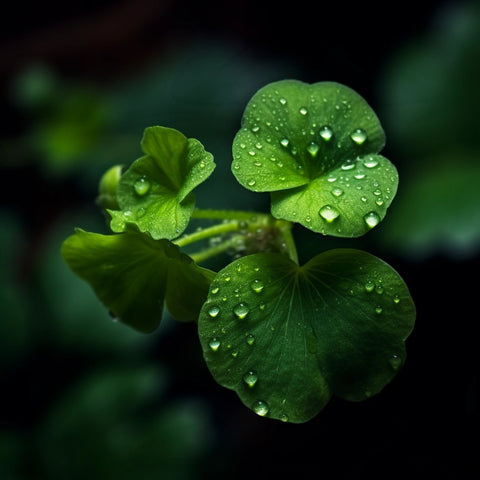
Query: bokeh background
[{"x": 84, "y": 397}]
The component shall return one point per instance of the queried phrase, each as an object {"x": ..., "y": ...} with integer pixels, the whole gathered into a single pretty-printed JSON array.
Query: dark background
[{"x": 108, "y": 70}]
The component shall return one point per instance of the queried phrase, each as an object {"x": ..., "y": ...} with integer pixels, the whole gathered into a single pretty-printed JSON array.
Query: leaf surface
[
  {"x": 286, "y": 338},
  {"x": 155, "y": 193},
  {"x": 315, "y": 147},
  {"x": 133, "y": 275}
]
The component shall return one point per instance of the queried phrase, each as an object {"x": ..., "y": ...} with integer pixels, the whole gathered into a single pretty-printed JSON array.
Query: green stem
[
  {"x": 286, "y": 230},
  {"x": 199, "y": 257},
  {"x": 239, "y": 215},
  {"x": 208, "y": 232}
]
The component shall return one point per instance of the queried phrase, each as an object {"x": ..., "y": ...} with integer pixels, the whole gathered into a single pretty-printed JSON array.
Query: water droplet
[
  {"x": 251, "y": 153},
  {"x": 379, "y": 289},
  {"x": 326, "y": 133},
  {"x": 371, "y": 219},
  {"x": 395, "y": 361},
  {"x": 370, "y": 162},
  {"x": 329, "y": 213},
  {"x": 255, "y": 128},
  {"x": 369, "y": 286},
  {"x": 379, "y": 201},
  {"x": 359, "y": 176},
  {"x": 214, "y": 344},
  {"x": 241, "y": 310},
  {"x": 261, "y": 408},
  {"x": 284, "y": 417},
  {"x": 348, "y": 165},
  {"x": 303, "y": 111},
  {"x": 337, "y": 192},
  {"x": 312, "y": 149},
  {"x": 250, "y": 378},
  {"x": 141, "y": 186},
  {"x": 215, "y": 290},
  {"x": 251, "y": 182},
  {"x": 213, "y": 311},
  {"x": 396, "y": 299},
  {"x": 284, "y": 142},
  {"x": 358, "y": 136},
  {"x": 257, "y": 286},
  {"x": 140, "y": 212},
  {"x": 378, "y": 309},
  {"x": 331, "y": 178},
  {"x": 250, "y": 339},
  {"x": 283, "y": 101}
]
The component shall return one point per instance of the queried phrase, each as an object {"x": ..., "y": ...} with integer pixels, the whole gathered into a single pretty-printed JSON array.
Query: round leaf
[
  {"x": 133, "y": 275},
  {"x": 286, "y": 338},
  {"x": 155, "y": 193},
  {"x": 316, "y": 148}
]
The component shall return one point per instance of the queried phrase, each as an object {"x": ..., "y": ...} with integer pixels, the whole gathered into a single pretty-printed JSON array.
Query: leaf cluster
[{"x": 284, "y": 336}]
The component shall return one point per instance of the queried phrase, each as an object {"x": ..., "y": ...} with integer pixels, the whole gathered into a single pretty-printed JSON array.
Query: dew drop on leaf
[
  {"x": 250, "y": 378},
  {"x": 328, "y": 213},
  {"x": 371, "y": 219},
  {"x": 283, "y": 101},
  {"x": 284, "y": 142},
  {"x": 250, "y": 339},
  {"x": 326, "y": 133},
  {"x": 370, "y": 162},
  {"x": 257, "y": 286},
  {"x": 261, "y": 408},
  {"x": 369, "y": 286},
  {"x": 312, "y": 149},
  {"x": 348, "y": 165},
  {"x": 303, "y": 111},
  {"x": 214, "y": 344},
  {"x": 395, "y": 361},
  {"x": 358, "y": 136},
  {"x": 141, "y": 186},
  {"x": 213, "y": 311},
  {"x": 241, "y": 310},
  {"x": 337, "y": 192},
  {"x": 396, "y": 299},
  {"x": 378, "y": 309}
]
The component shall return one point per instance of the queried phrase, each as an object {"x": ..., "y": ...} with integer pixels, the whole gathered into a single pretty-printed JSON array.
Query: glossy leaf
[
  {"x": 133, "y": 275},
  {"x": 155, "y": 193},
  {"x": 286, "y": 338},
  {"x": 315, "y": 147}
]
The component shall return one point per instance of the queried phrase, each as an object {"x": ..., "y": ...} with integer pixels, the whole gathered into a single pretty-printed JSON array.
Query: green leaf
[
  {"x": 133, "y": 275},
  {"x": 155, "y": 193},
  {"x": 315, "y": 147},
  {"x": 286, "y": 338}
]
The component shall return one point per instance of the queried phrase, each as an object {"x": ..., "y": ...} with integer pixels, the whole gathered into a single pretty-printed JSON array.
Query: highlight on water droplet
[
  {"x": 303, "y": 111},
  {"x": 241, "y": 310},
  {"x": 213, "y": 311},
  {"x": 284, "y": 142},
  {"x": 358, "y": 136},
  {"x": 372, "y": 219},
  {"x": 283, "y": 101},
  {"x": 313, "y": 149},
  {"x": 326, "y": 133},
  {"x": 257, "y": 286},
  {"x": 214, "y": 344},
  {"x": 329, "y": 213},
  {"x": 141, "y": 186},
  {"x": 261, "y": 408},
  {"x": 250, "y": 378},
  {"x": 395, "y": 361}
]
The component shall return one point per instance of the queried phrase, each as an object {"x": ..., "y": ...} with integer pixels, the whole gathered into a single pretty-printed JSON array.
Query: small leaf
[
  {"x": 286, "y": 338},
  {"x": 316, "y": 147},
  {"x": 155, "y": 193},
  {"x": 132, "y": 275}
]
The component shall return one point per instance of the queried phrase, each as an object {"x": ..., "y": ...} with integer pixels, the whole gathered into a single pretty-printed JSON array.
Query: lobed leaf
[
  {"x": 133, "y": 275},
  {"x": 336, "y": 325},
  {"x": 315, "y": 147},
  {"x": 155, "y": 193}
]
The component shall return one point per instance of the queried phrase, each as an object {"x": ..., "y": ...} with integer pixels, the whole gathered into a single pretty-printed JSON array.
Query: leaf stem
[
  {"x": 199, "y": 257},
  {"x": 215, "y": 230}
]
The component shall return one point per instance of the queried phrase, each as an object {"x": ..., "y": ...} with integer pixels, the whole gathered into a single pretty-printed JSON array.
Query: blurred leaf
[
  {"x": 439, "y": 208},
  {"x": 110, "y": 425}
]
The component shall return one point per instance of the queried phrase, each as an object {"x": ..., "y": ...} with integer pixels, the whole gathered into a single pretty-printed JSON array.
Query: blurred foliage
[{"x": 430, "y": 108}]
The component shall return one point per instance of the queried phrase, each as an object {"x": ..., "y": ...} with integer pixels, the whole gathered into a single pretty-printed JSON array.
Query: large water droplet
[
  {"x": 257, "y": 286},
  {"x": 372, "y": 219},
  {"x": 312, "y": 149},
  {"x": 358, "y": 136},
  {"x": 213, "y": 311},
  {"x": 141, "y": 186},
  {"x": 329, "y": 213},
  {"x": 241, "y": 310},
  {"x": 326, "y": 133},
  {"x": 214, "y": 344},
  {"x": 260, "y": 408},
  {"x": 284, "y": 142},
  {"x": 250, "y": 378}
]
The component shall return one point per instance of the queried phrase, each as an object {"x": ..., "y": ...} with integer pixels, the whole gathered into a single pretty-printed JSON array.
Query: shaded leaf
[
  {"x": 133, "y": 275},
  {"x": 336, "y": 325}
]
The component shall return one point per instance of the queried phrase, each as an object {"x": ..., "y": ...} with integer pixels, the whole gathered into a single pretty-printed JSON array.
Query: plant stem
[
  {"x": 208, "y": 232},
  {"x": 199, "y": 257},
  {"x": 286, "y": 230}
]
